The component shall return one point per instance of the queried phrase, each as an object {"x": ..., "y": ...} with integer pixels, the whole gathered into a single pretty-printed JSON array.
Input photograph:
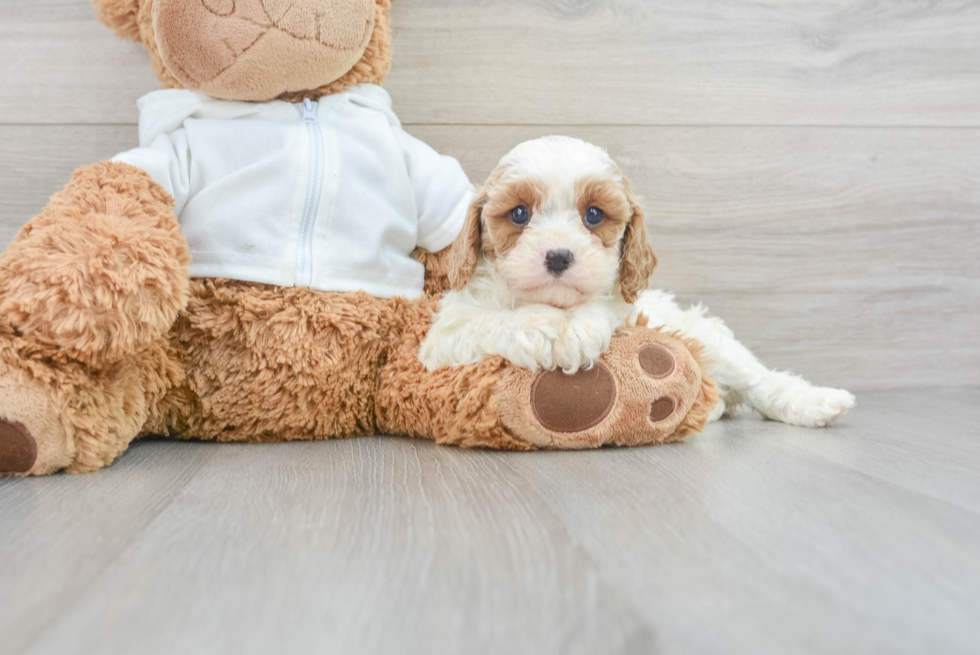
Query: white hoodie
[{"x": 332, "y": 195}]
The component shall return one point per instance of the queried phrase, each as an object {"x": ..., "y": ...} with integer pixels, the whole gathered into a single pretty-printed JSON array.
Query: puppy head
[{"x": 560, "y": 224}]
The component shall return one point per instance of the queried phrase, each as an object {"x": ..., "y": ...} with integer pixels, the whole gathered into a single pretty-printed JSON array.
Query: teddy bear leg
[
  {"x": 79, "y": 420},
  {"x": 266, "y": 363},
  {"x": 88, "y": 291},
  {"x": 649, "y": 388},
  {"x": 35, "y": 441}
]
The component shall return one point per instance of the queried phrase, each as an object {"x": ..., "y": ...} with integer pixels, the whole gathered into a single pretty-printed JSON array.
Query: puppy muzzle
[{"x": 558, "y": 261}]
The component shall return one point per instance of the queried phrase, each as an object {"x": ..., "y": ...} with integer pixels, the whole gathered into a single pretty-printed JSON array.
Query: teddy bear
[{"x": 264, "y": 266}]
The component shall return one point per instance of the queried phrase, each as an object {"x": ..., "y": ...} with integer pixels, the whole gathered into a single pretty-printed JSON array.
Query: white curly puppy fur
[{"x": 554, "y": 257}]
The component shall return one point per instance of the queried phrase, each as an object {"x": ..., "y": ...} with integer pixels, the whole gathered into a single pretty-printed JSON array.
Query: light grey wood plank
[
  {"x": 57, "y": 534},
  {"x": 59, "y": 65},
  {"x": 758, "y": 531},
  {"x": 922, "y": 440},
  {"x": 753, "y": 537},
  {"x": 373, "y": 545},
  {"x": 847, "y": 255},
  {"x": 831, "y": 62}
]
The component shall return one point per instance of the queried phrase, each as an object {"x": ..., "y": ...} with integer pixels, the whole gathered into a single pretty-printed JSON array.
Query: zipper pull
[{"x": 309, "y": 112}]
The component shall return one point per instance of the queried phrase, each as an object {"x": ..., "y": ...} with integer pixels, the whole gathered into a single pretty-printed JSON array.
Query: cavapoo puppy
[{"x": 554, "y": 257}]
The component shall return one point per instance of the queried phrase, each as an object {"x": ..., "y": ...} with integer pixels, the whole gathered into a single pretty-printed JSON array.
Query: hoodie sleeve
[
  {"x": 442, "y": 193},
  {"x": 167, "y": 160}
]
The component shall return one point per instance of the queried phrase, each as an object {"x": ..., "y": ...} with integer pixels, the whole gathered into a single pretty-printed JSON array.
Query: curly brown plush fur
[
  {"x": 102, "y": 270},
  {"x": 120, "y": 15}
]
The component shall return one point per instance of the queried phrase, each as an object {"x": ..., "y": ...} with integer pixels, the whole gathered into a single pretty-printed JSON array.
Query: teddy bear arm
[{"x": 101, "y": 271}]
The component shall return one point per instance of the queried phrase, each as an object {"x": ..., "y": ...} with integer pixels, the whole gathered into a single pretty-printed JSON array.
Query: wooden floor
[{"x": 751, "y": 538}]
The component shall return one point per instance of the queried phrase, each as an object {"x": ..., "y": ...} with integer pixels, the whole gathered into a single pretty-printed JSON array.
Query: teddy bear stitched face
[{"x": 259, "y": 49}]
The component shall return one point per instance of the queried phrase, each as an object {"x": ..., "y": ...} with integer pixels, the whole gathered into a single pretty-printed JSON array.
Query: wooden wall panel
[{"x": 590, "y": 62}]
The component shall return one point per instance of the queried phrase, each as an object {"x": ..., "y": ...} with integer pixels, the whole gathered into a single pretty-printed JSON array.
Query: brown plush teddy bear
[{"x": 254, "y": 271}]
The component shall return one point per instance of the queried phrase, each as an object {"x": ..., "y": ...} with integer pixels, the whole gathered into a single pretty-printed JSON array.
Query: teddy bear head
[{"x": 259, "y": 50}]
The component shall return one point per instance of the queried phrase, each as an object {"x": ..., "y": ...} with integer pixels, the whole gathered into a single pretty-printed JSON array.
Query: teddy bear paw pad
[
  {"x": 656, "y": 361},
  {"x": 18, "y": 450},
  {"x": 573, "y": 403},
  {"x": 662, "y": 409}
]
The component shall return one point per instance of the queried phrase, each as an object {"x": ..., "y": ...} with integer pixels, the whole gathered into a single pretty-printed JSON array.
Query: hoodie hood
[{"x": 164, "y": 111}]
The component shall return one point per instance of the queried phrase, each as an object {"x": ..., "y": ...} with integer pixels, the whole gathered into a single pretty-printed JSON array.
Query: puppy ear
[
  {"x": 637, "y": 261},
  {"x": 466, "y": 248},
  {"x": 120, "y": 15}
]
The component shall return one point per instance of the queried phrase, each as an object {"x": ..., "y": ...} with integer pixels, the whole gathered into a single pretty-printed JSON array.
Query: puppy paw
[
  {"x": 526, "y": 339},
  {"x": 585, "y": 338},
  {"x": 817, "y": 407},
  {"x": 533, "y": 344},
  {"x": 580, "y": 346}
]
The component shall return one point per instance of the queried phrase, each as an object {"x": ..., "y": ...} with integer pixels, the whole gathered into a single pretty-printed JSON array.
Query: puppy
[{"x": 554, "y": 257}]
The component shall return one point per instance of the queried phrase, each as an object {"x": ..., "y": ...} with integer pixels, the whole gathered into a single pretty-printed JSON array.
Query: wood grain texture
[
  {"x": 88, "y": 522},
  {"x": 753, "y": 537},
  {"x": 847, "y": 255},
  {"x": 829, "y": 62},
  {"x": 59, "y": 65}
]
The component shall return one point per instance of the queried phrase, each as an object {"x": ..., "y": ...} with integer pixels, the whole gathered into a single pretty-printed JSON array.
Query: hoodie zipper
[{"x": 304, "y": 249}]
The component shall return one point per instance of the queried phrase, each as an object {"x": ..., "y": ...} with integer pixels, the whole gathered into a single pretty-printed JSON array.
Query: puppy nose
[{"x": 558, "y": 261}]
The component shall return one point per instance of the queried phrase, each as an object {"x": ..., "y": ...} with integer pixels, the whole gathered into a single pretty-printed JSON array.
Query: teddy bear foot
[
  {"x": 32, "y": 439},
  {"x": 649, "y": 388},
  {"x": 18, "y": 450}
]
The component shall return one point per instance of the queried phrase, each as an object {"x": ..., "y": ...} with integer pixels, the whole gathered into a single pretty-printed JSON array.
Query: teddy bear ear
[{"x": 120, "y": 15}]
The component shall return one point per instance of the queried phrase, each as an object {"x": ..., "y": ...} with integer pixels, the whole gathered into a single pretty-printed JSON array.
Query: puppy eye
[
  {"x": 520, "y": 215},
  {"x": 594, "y": 216}
]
